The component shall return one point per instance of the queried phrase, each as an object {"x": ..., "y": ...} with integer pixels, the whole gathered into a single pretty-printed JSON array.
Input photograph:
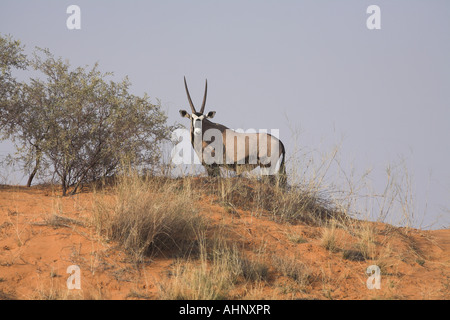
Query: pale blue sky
[{"x": 383, "y": 93}]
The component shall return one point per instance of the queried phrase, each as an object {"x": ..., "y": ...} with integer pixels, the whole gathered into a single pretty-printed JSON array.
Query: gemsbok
[{"x": 218, "y": 146}]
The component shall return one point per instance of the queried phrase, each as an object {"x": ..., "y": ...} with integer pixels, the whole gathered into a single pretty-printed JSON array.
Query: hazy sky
[{"x": 313, "y": 65}]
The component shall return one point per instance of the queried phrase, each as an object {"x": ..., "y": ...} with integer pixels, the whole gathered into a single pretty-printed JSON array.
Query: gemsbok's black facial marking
[{"x": 197, "y": 124}]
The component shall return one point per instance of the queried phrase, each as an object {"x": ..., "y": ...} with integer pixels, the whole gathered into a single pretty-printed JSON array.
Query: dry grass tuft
[
  {"x": 329, "y": 237},
  {"x": 214, "y": 275},
  {"x": 209, "y": 278},
  {"x": 285, "y": 205},
  {"x": 146, "y": 215},
  {"x": 294, "y": 269}
]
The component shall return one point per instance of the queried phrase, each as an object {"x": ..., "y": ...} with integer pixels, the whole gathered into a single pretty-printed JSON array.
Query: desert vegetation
[
  {"x": 74, "y": 124},
  {"x": 151, "y": 237}
]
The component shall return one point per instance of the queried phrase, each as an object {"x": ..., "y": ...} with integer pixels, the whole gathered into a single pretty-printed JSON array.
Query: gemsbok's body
[{"x": 218, "y": 146}]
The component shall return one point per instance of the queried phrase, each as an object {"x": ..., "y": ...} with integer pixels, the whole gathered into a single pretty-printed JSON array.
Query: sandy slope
[{"x": 41, "y": 234}]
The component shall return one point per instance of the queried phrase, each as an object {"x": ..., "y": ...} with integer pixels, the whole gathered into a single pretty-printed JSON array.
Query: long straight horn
[
  {"x": 204, "y": 98},
  {"x": 189, "y": 96}
]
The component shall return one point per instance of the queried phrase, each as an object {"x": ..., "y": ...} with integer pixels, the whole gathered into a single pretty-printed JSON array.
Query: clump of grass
[
  {"x": 353, "y": 255},
  {"x": 254, "y": 270},
  {"x": 420, "y": 262},
  {"x": 219, "y": 268},
  {"x": 133, "y": 294},
  {"x": 295, "y": 238},
  {"x": 300, "y": 204},
  {"x": 292, "y": 268},
  {"x": 366, "y": 241},
  {"x": 238, "y": 263},
  {"x": 147, "y": 214},
  {"x": 191, "y": 281},
  {"x": 58, "y": 221},
  {"x": 209, "y": 278},
  {"x": 285, "y": 205},
  {"x": 329, "y": 238}
]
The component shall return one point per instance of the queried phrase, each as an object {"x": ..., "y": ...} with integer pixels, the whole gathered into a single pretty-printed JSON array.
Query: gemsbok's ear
[
  {"x": 184, "y": 114},
  {"x": 211, "y": 114}
]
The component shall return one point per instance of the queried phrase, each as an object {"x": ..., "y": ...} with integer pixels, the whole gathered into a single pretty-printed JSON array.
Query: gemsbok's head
[{"x": 197, "y": 117}]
